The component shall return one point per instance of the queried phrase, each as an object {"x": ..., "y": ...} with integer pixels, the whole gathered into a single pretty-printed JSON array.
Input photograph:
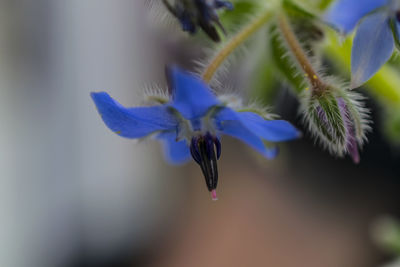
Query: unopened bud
[{"x": 338, "y": 119}]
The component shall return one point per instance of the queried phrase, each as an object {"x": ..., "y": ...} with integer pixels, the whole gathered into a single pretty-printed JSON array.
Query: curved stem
[
  {"x": 234, "y": 42},
  {"x": 299, "y": 54}
]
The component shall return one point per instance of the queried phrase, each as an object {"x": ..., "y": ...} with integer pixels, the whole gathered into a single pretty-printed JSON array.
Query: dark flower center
[
  {"x": 206, "y": 150},
  {"x": 199, "y": 13}
]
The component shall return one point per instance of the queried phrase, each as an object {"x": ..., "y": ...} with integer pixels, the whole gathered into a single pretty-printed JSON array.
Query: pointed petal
[
  {"x": 236, "y": 129},
  {"x": 132, "y": 122},
  {"x": 351, "y": 139},
  {"x": 175, "y": 152},
  {"x": 270, "y": 130},
  {"x": 223, "y": 4},
  {"x": 352, "y": 148},
  {"x": 372, "y": 47},
  {"x": 230, "y": 124},
  {"x": 191, "y": 96},
  {"x": 344, "y": 14}
]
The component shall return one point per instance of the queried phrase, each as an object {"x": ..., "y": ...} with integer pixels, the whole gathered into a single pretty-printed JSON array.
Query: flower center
[{"x": 206, "y": 150}]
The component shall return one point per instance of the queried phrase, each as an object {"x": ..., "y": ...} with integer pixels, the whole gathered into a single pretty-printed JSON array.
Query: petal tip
[
  {"x": 271, "y": 153},
  {"x": 355, "y": 84},
  {"x": 173, "y": 72},
  {"x": 355, "y": 156},
  {"x": 93, "y": 94},
  {"x": 97, "y": 95}
]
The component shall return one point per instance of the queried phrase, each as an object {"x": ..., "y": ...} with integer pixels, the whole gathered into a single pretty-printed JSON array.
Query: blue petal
[
  {"x": 187, "y": 23},
  {"x": 270, "y": 130},
  {"x": 223, "y": 4},
  {"x": 372, "y": 47},
  {"x": 176, "y": 152},
  {"x": 230, "y": 124},
  {"x": 132, "y": 122},
  {"x": 191, "y": 96},
  {"x": 344, "y": 14}
]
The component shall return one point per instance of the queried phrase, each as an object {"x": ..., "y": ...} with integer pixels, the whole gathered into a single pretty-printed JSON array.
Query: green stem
[
  {"x": 227, "y": 48},
  {"x": 299, "y": 55}
]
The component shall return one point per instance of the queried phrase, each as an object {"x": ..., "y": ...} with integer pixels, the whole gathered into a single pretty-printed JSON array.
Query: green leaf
[
  {"x": 320, "y": 5},
  {"x": 324, "y": 4},
  {"x": 293, "y": 10},
  {"x": 306, "y": 25},
  {"x": 392, "y": 125},
  {"x": 284, "y": 63},
  {"x": 387, "y": 234},
  {"x": 231, "y": 19}
]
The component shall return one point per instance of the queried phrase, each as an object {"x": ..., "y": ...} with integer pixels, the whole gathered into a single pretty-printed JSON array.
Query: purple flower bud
[
  {"x": 351, "y": 140},
  {"x": 338, "y": 120}
]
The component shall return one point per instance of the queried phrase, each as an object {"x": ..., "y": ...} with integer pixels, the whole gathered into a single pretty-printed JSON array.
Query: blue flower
[
  {"x": 345, "y": 14},
  {"x": 377, "y": 33},
  {"x": 191, "y": 123},
  {"x": 199, "y": 13}
]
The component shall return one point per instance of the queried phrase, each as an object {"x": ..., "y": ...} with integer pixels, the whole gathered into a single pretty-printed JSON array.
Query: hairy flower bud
[{"x": 338, "y": 119}]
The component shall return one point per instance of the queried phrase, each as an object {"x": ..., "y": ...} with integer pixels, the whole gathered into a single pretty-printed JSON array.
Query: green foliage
[
  {"x": 232, "y": 19},
  {"x": 387, "y": 234},
  {"x": 317, "y": 5},
  {"x": 284, "y": 63},
  {"x": 306, "y": 27},
  {"x": 392, "y": 126},
  {"x": 293, "y": 10}
]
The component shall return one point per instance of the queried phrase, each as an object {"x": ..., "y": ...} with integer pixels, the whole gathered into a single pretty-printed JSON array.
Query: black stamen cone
[
  {"x": 194, "y": 150},
  {"x": 203, "y": 152}
]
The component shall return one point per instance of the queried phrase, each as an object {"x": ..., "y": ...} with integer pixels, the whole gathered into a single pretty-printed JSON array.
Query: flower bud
[
  {"x": 199, "y": 13},
  {"x": 338, "y": 119}
]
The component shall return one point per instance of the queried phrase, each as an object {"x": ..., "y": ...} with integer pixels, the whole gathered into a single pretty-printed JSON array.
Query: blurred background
[{"x": 72, "y": 193}]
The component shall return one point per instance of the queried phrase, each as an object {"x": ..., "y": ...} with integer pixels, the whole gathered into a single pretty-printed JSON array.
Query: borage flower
[
  {"x": 192, "y": 122},
  {"x": 377, "y": 33},
  {"x": 199, "y": 13}
]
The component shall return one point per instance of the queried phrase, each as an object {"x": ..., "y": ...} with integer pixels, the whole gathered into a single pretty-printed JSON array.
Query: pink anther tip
[{"x": 214, "y": 195}]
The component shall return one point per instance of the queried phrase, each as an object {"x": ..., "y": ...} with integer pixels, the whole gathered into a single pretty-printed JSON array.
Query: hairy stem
[
  {"x": 295, "y": 48},
  {"x": 234, "y": 42}
]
